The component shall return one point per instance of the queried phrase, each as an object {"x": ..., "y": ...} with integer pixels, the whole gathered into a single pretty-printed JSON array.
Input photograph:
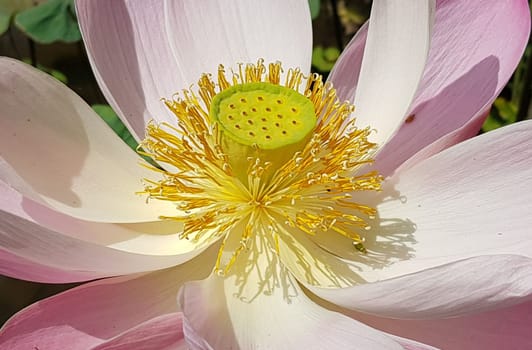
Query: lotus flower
[{"x": 371, "y": 229}]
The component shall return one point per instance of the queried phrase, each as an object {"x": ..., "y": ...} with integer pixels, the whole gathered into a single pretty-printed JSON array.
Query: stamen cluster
[{"x": 310, "y": 194}]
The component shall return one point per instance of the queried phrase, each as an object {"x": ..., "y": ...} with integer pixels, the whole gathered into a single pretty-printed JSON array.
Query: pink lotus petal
[
  {"x": 346, "y": 71},
  {"x": 161, "y": 333},
  {"x": 470, "y": 129},
  {"x": 142, "y": 51},
  {"x": 17, "y": 267},
  {"x": 507, "y": 328},
  {"x": 409, "y": 344},
  {"x": 90, "y": 173},
  {"x": 471, "y": 232},
  {"x": 475, "y": 49},
  {"x": 109, "y": 311}
]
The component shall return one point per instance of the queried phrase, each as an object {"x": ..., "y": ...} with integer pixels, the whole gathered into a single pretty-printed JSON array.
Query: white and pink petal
[
  {"x": 469, "y": 63},
  {"x": 476, "y": 50},
  {"x": 47, "y": 246}
]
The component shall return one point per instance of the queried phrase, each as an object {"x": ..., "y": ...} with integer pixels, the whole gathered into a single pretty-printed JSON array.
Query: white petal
[
  {"x": 455, "y": 289},
  {"x": 394, "y": 58},
  {"x": 468, "y": 200},
  {"x": 57, "y": 151},
  {"x": 260, "y": 305},
  {"x": 470, "y": 210},
  {"x": 204, "y": 34}
]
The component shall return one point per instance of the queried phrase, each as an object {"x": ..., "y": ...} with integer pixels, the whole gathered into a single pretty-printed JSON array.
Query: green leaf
[
  {"x": 314, "y": 8},
  {"x": 503, "y": 112},
  {"x": 491, "y": 123},
  {"x": 5, "y": 16},
  {"x": 53, "y": 72},
  {"x": 54, "y": 20},
  {"x": 324, "y": 58},
  {"x": 507, "y": 110},
  {"x": 111, "y": 118},
  {"x": 56, "y": 74},
  {"x": 8, "y": 8}
]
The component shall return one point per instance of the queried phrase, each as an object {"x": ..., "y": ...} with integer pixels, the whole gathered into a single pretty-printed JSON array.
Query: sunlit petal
[
  {"x": 469, "y": 211},
  {"x": 260, "y": 304},
  {"x": 89, "y": 172}
]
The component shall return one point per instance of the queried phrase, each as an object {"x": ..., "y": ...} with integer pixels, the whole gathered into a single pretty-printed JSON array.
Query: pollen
[{"x": 260, "y": 152}]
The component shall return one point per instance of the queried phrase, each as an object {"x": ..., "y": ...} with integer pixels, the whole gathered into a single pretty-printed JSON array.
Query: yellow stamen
[{"x": 309, "y": 188}]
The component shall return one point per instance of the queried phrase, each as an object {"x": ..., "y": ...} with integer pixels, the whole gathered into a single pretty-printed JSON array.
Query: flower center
[
  {"x": 261, "y": 120},
  {"x": 255, "y": 158},
  {"x": 263, "y": 114}
]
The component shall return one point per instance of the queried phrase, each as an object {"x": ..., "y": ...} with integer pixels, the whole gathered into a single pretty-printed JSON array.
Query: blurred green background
[{"x": 45, "y": 34}]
